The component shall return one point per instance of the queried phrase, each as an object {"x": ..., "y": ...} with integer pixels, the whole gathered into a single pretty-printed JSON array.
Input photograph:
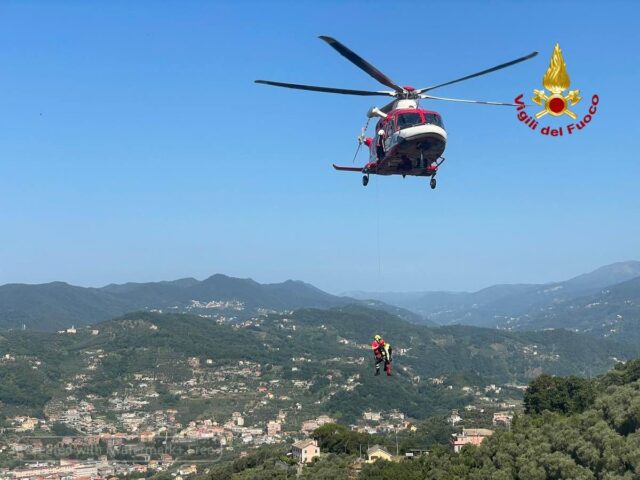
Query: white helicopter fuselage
[{"x": 408, "y": 140}]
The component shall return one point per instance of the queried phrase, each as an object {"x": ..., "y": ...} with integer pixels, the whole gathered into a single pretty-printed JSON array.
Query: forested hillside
[
  {"x": 595, "y": 438},
  {"x": 326, "y": 350}
]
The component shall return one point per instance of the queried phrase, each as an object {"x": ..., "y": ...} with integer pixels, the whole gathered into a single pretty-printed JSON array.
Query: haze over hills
[
  {"x": 58, "y": 305},
  {"x": 522, "y": 305},
  {"x": 612, "y": 312}
]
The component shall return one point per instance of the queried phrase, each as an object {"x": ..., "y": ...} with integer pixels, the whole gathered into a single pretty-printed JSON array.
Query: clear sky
[{"x": 134, "y": 145}]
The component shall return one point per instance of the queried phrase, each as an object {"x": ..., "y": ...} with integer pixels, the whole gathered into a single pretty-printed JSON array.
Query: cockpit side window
[
  {"x": 433, "y": 119},
  {"x": 390, "y": 127}
]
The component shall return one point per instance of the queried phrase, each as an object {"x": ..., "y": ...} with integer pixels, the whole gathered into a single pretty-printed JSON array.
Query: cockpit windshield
[
  {"x": 411, "y": 119},
  {"x": 406, "y": 120}
]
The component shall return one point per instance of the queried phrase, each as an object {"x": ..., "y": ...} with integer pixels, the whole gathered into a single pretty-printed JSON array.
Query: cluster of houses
[
  {"x": 21, "y": 423},
  {"x": 235, "y": 428},
  {"x": 217, "y": 305},
  {"x": 310, "y": 425},
  {"x": 504, "y": 417},
  {"x": 73, "y": 469},
  {"x": 129, "y": 415},
  {"x": 305, "y": 451},
  {"x": 382, "y": 422}
]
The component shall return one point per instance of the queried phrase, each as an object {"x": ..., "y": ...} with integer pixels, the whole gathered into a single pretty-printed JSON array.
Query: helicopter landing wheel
[
  {"x": 365, "y": 180},
  {"x": 433, "y": 183}
]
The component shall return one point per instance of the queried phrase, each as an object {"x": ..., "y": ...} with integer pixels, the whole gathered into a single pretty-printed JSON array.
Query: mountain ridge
[
  {"x": 57, "y": 305},
  {"x": 496, "y": 305}
]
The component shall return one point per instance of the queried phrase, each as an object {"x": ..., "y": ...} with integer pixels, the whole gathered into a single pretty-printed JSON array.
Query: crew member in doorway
[{"x": 380, "y": 144}]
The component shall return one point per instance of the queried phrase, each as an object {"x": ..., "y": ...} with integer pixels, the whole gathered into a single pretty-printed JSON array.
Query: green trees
[
  {"x": 574, "y": 429},
  {"x": 622, "y": 373},
  {"x": 262, "y": 464},
  {"x": 62, "y": 430},
  {"x": 23, "y": 386},
  {"x": 336, "y": 438},
  {"x": 330, "y": 467},
  {"x": 556, "y": 394},
  {"x": 620, "y": 408}
]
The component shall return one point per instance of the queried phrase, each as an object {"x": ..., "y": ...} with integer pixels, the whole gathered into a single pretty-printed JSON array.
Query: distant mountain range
[
  {"x": 612, "y": 312},
  {"x": 604, "y": 302},
  {"x": 57, "y": 305}
]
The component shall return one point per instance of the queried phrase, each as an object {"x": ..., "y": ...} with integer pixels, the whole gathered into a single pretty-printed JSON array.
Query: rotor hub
[{"x": 408, "y": 93}]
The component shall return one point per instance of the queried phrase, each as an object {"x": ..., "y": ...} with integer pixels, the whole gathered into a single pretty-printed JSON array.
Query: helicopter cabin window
[
  {"x": 389, "y": 127},
  {"x": 433, "y": 119},
  {"x": 406, "y": 120}
]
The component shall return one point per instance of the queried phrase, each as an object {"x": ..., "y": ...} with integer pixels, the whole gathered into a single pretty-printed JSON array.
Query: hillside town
[
  {"x": 199, "y": 408},
  {"x": 139, "y": 442}
]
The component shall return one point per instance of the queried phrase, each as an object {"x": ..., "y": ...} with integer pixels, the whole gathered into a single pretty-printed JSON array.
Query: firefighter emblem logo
[
  {"x": 556, "y": 81},
  {"x": 556, "y": 101}
]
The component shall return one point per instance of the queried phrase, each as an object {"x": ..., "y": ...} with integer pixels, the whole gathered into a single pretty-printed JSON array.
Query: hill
[
  {"x": 55, "y": 305},
  {"x": 58, "y": 305},
  {"x": 595, "y": 438},
  {"x": 613, "y": 312},
  {"x": 507, "y": 306},
  {"x": 316, "y": 358}
]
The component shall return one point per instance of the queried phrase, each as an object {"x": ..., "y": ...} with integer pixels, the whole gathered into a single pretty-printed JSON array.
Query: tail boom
[{"x": 347, "y": 169}]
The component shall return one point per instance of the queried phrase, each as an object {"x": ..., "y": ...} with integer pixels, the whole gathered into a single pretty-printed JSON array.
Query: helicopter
[{"x": 408, "y": 140}]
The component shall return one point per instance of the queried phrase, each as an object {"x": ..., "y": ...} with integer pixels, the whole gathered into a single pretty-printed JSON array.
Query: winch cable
[{"x": 378, "y": 236}]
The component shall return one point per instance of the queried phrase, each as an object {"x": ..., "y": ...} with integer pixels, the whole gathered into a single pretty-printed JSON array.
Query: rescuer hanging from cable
[{"x": 382, "y": 352}]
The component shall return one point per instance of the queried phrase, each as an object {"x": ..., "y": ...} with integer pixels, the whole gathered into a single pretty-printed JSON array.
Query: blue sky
[{"x": 135, "y": 147}]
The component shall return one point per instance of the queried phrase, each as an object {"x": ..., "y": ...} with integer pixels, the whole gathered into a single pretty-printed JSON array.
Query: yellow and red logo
[
  {"x": 554, "y": 101},
  {"x": 556, "y": 80}
]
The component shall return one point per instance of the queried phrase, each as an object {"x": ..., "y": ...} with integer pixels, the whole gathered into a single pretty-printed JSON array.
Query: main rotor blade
[
  {"x": 482, "y": 102},
  {"x": 360, "y": 62},
  {"x": 483, "y": 72},
  {"x": 313, "y": 88}
]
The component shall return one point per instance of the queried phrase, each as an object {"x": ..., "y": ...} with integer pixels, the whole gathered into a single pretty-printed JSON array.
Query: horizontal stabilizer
[{"x": 347, "y": 169}]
